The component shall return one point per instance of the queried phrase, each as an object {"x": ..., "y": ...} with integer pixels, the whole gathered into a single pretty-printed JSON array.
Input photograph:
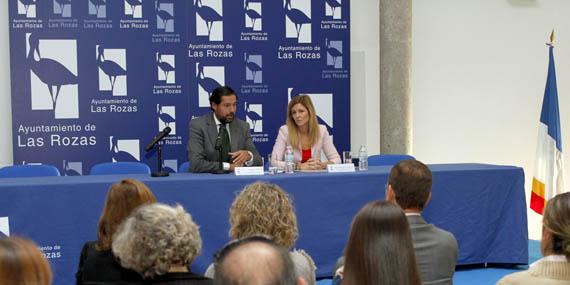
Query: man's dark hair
[
  {"x": 411, "y": 181},
  {"x": 277, "y": 269},
  {"x": 219, "y": 92}
]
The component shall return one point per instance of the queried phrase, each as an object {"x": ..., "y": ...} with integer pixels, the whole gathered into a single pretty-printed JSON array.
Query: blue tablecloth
[{"x": 482, "y": 205}]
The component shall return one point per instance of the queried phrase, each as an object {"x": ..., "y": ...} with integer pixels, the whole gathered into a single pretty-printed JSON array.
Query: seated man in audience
[
  {"x": 223, "y": 128},
  {"x": 255, "y": 260},
  {"x": 409, "y": 186}
]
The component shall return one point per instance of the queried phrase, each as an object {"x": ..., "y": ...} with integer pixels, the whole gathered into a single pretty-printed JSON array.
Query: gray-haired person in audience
[
  {"x": 266, "y": 209},
  {"x": 160, "y": 242},
  {"x": 409, "y": 186},
  {"x": 255, "y": 260},
  {"x": 554, "y": 268}
]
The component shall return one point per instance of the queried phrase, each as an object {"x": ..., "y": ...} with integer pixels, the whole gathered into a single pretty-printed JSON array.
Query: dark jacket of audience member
[
  {"x": 22, "y": 263},
  {"x": 97, "y": 264},
  {"x": 379, "y": 250},
  {"x": 160, "y": 242}
]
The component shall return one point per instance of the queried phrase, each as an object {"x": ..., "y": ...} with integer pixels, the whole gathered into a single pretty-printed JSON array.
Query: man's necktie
[{"x": 226, "y": 148}]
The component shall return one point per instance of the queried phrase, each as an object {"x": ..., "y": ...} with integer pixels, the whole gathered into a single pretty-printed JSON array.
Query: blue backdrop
[{"x": 93, "y": 80}]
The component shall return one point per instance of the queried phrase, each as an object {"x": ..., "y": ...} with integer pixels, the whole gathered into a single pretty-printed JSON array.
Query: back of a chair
[
  {"x": 28, "y": 170},
  {"x": 119, "y": 168},
  {"x": 184, "y": 167},
  {"x": 387, "y": 159}
]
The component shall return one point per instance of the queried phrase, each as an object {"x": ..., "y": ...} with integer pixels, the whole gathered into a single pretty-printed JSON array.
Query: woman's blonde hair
[
  {"x": 122, "y": 198},
  {"x": 22, "y": 263},
  {"x": 264, "y": 209},
  {"x": 556, "y": 220},
  {"x": 293, "y": 129}
]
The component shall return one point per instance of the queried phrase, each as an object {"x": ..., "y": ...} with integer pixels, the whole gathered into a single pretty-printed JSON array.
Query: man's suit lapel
[{"x": 212, "y": 129}]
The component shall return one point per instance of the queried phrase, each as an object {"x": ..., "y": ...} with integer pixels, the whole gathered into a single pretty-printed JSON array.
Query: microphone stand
[
  {"x": 219, "y": 148},
  {"x": 160, "y": 172}
]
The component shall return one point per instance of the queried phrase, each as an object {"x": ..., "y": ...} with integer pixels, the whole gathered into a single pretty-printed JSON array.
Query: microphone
[{"x": 157, "y": 138}]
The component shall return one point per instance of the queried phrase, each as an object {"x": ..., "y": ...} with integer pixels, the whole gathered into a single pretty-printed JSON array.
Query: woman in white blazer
[{"x": 307, "y": 138}]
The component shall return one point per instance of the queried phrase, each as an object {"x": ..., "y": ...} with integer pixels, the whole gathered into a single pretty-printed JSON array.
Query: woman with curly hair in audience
[
  {"x": 97, "y": 263},
  {"x": 379, "y": 250},
  {"x": 22, "y": 263},
  {"x": 160, "y": 242},
  {"x": 265, "y": 209},
  {"x": 554, "y": 268}
]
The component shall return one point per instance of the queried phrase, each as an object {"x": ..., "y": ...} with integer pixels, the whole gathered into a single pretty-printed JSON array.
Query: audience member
[
  {"x": 97, "y": 263},
  {"x": 409, "y": 186},
  {"x": 306, "y": 137},
  {"x": 160, "y": 242},
  {"x": 255, "y": 260},
  {"x": 266, "y": 209},
  {"x": 379, "y": 250},
  {"x": 22, "y": 263},
  {"x": 554, "y": 268}
]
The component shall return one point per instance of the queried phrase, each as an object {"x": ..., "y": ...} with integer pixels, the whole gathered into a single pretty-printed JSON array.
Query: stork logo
[
  {"x": 4, "y": 227},
  {"x": 165, "y": 65},
  {"x": 134, "y": 8},
  {"x": 254, "y": 116},
  {"x": 253, "y": 68},
  {"x": 333, "y": 8},
  {"x": 323, "y": 103},
  {"x": 164, "y": 16},
  {"x": 124, "y": 150},
  {"x": 72, "y": 168},
  {"x": 298, "y": 20},
  {"x": 27, "y": 8},
  {"x": 62, "y": 8},
  {"x": 97, "y": 8},
  {"x": 334, "y": 53},
  {"x": 209, "y": 19},
  {"x": 209, "y": 78},
  {"x": 112, "y": 66},
  {"x": 166, "y": 118},
  {"x": 253, "y": 14},
  {"x": 170, "y": 165},
  {"x": 53, "y": 75}
]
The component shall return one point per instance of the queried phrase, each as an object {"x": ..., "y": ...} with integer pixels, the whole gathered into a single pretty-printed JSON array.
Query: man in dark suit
[
  {"x": 409, "y": 186},
  {"x": 237, "y": 146}
]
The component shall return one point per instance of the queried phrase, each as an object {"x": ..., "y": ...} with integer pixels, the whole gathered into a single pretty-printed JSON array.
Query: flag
[{"x": 548, "y": 179}]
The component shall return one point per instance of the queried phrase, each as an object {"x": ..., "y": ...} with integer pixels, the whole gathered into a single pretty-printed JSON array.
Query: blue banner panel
[{"x": 94, "y": 81}]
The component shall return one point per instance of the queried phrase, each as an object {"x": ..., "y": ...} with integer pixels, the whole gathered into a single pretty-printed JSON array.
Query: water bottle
[
  {"x": 289, "y": 165},
  {"x": 362, "y": 158}
]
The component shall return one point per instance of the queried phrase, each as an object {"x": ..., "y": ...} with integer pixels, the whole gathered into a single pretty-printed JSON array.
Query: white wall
[
  {"x": 479, "y": 72},
  {"x": 5, "y": 107}
]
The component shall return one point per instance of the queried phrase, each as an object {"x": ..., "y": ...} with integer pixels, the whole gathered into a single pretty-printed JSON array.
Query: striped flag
[{"x": 548, "y": 179}]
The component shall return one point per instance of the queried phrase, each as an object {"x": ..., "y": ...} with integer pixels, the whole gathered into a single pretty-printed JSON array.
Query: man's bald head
[{"x": 255, "y": 262}]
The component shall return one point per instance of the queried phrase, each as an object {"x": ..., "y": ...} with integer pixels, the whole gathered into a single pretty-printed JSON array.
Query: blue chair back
[
  {"x": 119, "y": 168},
  {"x": 28, "y": 170},
  {"x": 184, "y": 167},
  {"x": 387, "y": 159}
]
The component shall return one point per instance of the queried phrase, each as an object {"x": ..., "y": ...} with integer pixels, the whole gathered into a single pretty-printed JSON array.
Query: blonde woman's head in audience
[
  {"x": 22, "y": 263},
  {"x": 157, "y": 238},
  {"x": 556, "y": 226},
  {"x": 122, "y": 198},
  {"x": 264, "y": 209}
]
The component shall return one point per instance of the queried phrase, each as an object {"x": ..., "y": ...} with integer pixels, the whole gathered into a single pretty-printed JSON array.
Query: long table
[{"x": 482, "y": 205}]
